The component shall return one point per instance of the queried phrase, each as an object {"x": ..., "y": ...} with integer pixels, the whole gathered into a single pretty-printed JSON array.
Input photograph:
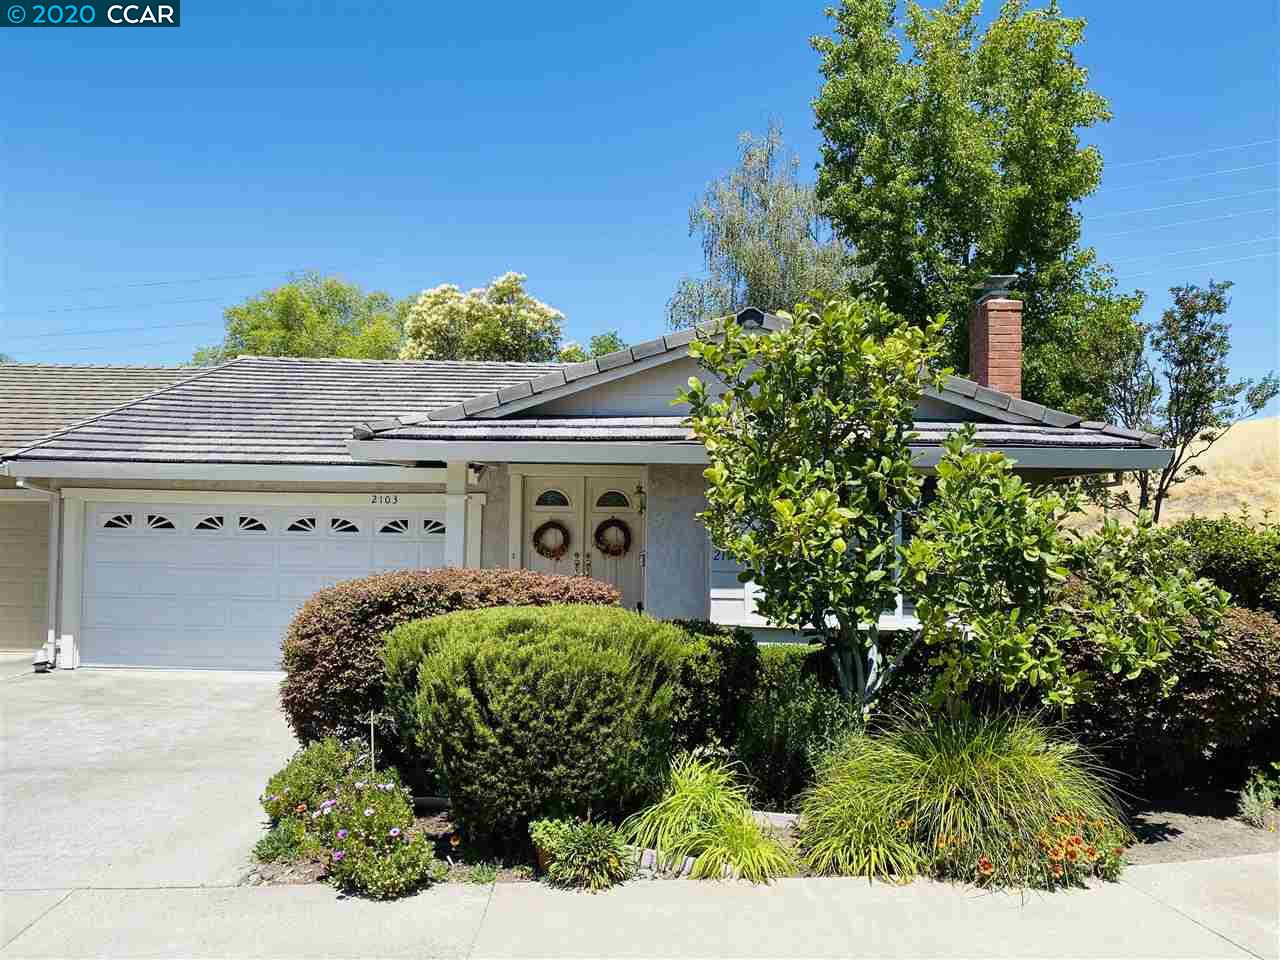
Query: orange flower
[
  {"x": 455, "y": 840},
  {"x": 1057, "y": 869},
  {"x": 1072, "y": 854},
  {"x": 985, "y": 867},
  {"x": 1091, "y": 852},
  {"x": 300, "y": 808},
  {"x": 1118, "y": 851},
  {"x": 1075, "y": 839}
]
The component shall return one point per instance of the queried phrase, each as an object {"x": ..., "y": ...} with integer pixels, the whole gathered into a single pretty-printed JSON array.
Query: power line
[
  {"x": 1194, "y": 153},
  {"x": 151, "y": 343},
  {"x": 1196, "y": 266},
  {"x": 1193, "y": 176},
  {"x": 189, "y": 280},
  {"x": 109, "y": 306},
  {"x": 1183, "y": 223},
  {"x": 1178, "y": 253},
  {"x": 1181, "y": 203},
  {"x": 88, "y": 333}
]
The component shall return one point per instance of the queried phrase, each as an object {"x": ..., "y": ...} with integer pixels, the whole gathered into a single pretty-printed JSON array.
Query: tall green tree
[
  {"x": 764, "y": 243},
  {"x": 499, "y": 322},
  {"x": 310, "y": 316},
  {"x": 1176, "y": 383},
  {"x": 952, "y": 152}
]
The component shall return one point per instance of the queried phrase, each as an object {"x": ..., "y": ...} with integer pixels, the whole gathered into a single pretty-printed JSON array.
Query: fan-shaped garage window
[
  {"x": 341, "y": 525},
  {"x": 216, "y": 522},
  {"x": 121, "y": 521},
  {"x": 157, "y": 522},
  {"x": 612, "y": 499},
  {"x": 302, "y": 525},
  {"x": 551, "y": 498},
  {"x": 394, "y": 526},
  {"x": 252, "y": 525},
  {"x": 433, "y": 528}
]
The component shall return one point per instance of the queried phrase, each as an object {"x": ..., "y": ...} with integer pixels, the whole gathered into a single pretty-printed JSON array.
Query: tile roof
[
  {"x": 275, "y": 410},
  {"x": 37, "y": 399},
  {"x": 674, "y": 429},
  {"x": 490, "y": 403}
]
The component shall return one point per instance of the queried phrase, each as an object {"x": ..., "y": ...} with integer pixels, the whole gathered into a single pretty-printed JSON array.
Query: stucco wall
[{"x": 676, "y": 543}]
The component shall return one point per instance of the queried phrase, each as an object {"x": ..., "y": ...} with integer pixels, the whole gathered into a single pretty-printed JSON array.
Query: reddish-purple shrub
[{"x": 333, "y": 648}]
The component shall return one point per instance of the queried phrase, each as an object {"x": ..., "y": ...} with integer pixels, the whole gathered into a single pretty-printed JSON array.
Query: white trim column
[
  {"x": 72, "y": 583},
  {"x": 515, "y": 519},
  {"x": 455, "y": 514}
]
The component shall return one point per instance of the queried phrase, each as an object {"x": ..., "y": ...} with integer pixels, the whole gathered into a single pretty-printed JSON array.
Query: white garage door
[
  {"x": 24, "y": 569},
  {"x": 215, "y": 586}
]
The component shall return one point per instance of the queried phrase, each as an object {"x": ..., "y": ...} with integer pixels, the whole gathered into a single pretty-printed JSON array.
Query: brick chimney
[{"x": 995, "y": 337}]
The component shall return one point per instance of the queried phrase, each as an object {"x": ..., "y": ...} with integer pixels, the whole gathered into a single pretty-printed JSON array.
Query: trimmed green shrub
[
  {"x": 792, "y": 716},
  {"x": 997, "y": 800},
  {"x": 720, "y": 671},
  {"x": 333, "y": 648},
  {"x": 551, "y": 712},
  {"x": 1222, "y": 717},
  {"x": 704, "y": 814},
  {"x": 589, "y": 856},
  {"x": 308, "y": 779},
  {"x": 1239, "y": 555}
]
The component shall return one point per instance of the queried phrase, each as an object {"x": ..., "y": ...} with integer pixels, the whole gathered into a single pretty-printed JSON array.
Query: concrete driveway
[{"x": 133, "y": 778}]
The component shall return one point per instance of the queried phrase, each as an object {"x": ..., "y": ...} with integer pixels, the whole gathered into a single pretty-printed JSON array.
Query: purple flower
[
  {"x": 368, "y": 811},
  {"x": 385, "y": 787},
  {"x": 338, "y": 855},
  {"x": 315, "y": 814},
  {"x": 341, "y": 834},
  {"x": 394, "y": 832}
]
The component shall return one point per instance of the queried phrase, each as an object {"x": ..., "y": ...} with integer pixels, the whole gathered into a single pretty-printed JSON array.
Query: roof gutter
[{"x": 1062, "y": 459}]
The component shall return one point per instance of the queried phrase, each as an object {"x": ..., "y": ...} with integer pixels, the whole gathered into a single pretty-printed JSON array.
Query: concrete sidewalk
[{"x": 1209, "y": 908}]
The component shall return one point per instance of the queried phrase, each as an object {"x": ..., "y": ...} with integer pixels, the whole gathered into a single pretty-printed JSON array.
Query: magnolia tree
[
  {"x": 808, "y": 433},
  {"x": 810, "y": 466}
]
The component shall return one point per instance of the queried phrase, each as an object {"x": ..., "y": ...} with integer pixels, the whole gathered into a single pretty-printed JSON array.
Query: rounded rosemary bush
[
  {"x": 546, "y": 712},
  {"x": 998, "y": 800}
]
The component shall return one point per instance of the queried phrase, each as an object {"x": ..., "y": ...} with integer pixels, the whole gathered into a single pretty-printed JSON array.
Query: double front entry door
[{"x": 583, "y": 507}]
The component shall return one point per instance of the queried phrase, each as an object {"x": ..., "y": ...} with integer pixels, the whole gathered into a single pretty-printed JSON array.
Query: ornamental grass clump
[
  {"x": 994, "y": 800},
  {"x": 586, "y": 855},
  {"x": 704, "y": 814}
]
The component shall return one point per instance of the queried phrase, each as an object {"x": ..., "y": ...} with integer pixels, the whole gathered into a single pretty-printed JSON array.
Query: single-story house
[{"x": 188, "y": 524}]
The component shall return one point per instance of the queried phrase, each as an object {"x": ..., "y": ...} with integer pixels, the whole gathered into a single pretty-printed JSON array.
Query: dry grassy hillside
[{"x": 1243, "y": 470}]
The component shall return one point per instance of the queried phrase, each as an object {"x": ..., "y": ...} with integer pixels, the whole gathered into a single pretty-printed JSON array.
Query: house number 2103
[{"x": 384, "y": 499}]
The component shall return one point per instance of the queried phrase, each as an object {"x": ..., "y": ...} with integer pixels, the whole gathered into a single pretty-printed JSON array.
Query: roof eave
[{"x": 1060, "y": 459}]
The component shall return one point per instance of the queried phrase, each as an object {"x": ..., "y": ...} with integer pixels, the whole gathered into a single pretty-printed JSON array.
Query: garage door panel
[{"x": 219, "y": 586}]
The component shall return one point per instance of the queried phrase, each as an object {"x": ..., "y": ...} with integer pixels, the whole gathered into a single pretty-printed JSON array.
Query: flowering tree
[
  {"x": 807, "y": 433},
  {"x": 498, "y": 322}
]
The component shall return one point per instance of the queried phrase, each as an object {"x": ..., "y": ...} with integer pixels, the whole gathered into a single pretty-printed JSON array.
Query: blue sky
[{"x": 406, "y": 145}]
